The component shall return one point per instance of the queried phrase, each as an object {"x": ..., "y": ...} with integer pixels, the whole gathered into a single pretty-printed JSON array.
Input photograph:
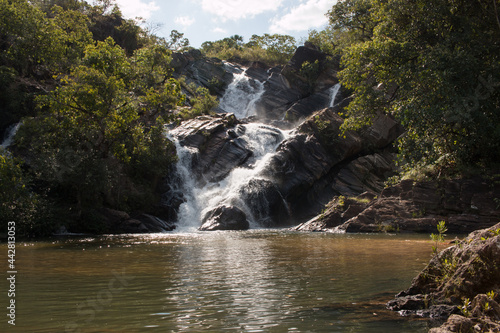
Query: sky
[{"x": 211, "y": 20}]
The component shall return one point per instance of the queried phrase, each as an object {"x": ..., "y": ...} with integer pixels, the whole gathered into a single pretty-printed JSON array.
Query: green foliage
[
  {"x": 106, "y": 20},
  {"x": 94, "y": 111},
  {"x": 491, "y": 294},
  {"x": 33, "y": 44},
  {"x": 310, "y": 71},
  {"x": 98, "y": 128},
  {"x": 435, "y": 67},
  {"x": 202, "y": 103},
  {"x": 439, "y": 237},
  {"x": 270, "y": 49},
  {"x": 18, "y": 203},
  {"x": 464, "y": 308},
  {"x": 327, "y": 134},
  {"x": 177, "y": 41},
  {"x": 325, "y": 40}
]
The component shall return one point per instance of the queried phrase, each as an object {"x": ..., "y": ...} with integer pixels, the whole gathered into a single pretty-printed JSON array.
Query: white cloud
[
  {"x": 238, "y": 9},
  {"x": 184, "y": 21},
  {"x": 307, "y": 15},
  {"x": 219, "y": 30},
  {"x": 137, "y": 8}
]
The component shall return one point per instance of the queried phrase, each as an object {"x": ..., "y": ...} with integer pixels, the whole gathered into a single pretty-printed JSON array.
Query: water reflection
[
  {"x": 238, "y": 287},
  {"x": 255, "y": 281}
]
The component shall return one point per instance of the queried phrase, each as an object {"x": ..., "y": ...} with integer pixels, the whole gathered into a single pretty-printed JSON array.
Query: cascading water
[
  {"x": 241, "y": 95},
  {"x": 9, "y": 136},
  {"x": 333, "y": 94},
  {"x": 243, "y": 186},
  {"x": 263, "y": 141}
]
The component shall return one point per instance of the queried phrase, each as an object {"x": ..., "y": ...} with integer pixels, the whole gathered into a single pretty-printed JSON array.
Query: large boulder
[
  {"x": 464, "y": 204},
  {"x": 119, "y": 222},
  {"x": 265, "y": 203},
  {"x": 224, "y": 218},
  {"x": 462, "y": 279},
  {"x": 154, "y": 223},
  {"x": 218, "y": 146},
  {"x": 279, "y": 94}
]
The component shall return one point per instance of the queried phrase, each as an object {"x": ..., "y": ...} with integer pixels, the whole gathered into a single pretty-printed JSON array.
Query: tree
[
  {"x": 278, "y": 47},
  {"x": 102, "y": 123},
  {"x": 18, "y": 202},
  {"x": 436, "y": 68},
  {"x": 177, "y": 41}
]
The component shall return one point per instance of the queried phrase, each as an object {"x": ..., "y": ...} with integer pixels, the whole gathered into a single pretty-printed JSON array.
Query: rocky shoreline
[
  {"x": 461, "y": 285},
  {"x": 465, "y": 205}
]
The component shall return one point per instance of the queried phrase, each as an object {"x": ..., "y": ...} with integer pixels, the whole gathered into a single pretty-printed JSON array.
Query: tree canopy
[
  {"x": 434, "y": 66},
  {"x": 98, "y": 90},
  {"x": 271, "y": 49}
]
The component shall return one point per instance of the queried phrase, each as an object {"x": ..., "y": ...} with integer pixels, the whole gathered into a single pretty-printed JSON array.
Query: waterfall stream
[
  {"x": 245, "y": 187},
  {"x": 9, "y": 135},
  {"x": 241, "y": 95},
  {"x": 238, "y": 188},
  {"x": 199, "y": 199},
  {"x": 333, "y": 94}
]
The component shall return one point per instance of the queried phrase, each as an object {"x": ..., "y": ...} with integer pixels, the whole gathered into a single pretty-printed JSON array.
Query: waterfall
[
  {"x": 241, "y": 95},
  {"x": 188, "y": 215},
  {"x": 333, "y": 94},
  {"x": 9, "y": 135},
  {"x": 199, "y": 199}
]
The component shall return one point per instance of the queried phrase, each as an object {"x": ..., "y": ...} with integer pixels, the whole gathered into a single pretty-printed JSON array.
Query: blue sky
[{"x": 210, "y": 20}]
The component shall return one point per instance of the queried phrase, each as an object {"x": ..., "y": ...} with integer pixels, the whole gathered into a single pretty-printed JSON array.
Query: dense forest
[{"x": 93, "y": 92}]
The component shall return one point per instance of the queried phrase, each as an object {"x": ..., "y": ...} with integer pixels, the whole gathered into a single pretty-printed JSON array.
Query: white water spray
[
  {"x": 241, "y": 95},
  {"x": 9, "y": 137},
  {"x": 333, "y": 94},
  {"x": 262, "y": 140}
]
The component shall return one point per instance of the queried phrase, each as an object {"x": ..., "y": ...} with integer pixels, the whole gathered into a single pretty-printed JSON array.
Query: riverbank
[{"x": 461, "y": 284}]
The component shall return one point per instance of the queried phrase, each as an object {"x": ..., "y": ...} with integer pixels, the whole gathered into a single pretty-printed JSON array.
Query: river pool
[{"x": 251, "y": 281}]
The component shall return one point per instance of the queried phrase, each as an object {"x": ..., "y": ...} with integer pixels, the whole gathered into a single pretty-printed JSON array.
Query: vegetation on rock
[{"x": 270, "y": 49}]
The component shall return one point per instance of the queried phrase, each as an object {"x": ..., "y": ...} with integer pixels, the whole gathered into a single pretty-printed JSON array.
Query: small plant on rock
[
  {"x": 439, "y": 237},
  {"x": 464, "y": 308}
]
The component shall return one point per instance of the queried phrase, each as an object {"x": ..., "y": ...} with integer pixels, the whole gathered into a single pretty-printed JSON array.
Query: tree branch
[{"x": 496, "y": 12}]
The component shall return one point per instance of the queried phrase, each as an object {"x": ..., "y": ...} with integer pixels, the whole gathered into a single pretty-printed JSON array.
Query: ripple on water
[{"x": 259, "y": 280}]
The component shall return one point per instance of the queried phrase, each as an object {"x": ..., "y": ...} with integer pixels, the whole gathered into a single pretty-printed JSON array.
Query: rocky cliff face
[
  {"x": 464, "y": 204},
  {"x": 461, "y": 283},
  {"x": 319, "y": 162},
  {"x": 313, "y": 165},
  {"x": 288, "y": 97}
]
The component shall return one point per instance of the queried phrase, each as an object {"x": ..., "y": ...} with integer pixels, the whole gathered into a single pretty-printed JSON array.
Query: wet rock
[
  {"x": 455, "y": 323},
  {"x": 217, "y": 143},
  {"x": 319, "y": 163},
  {"x": 224, "y": 218},
  {"x": 265, "y": 203},
  {"x": 119, "y": 222},
  {"x": 337, "y": 212},
  {"x": 279, "y": 94},
  {"x": 154, "y": 224},
  {"x": 418, "y": 207},
  {"x": 303, "y": 108},
  {"x": 305, "y": 53}
]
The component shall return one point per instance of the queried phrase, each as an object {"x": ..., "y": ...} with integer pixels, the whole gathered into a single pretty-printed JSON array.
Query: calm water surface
[{"x": 253, "y": 281}]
